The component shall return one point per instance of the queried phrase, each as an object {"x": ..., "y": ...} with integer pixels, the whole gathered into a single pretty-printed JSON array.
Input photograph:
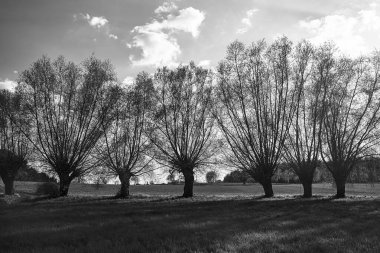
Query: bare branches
[
  {"x": 183, "y": 127},
  {"x": 70, "y": 106},
  {"x": 125, "y": 146},
  {"x": 352, "y": 115},
  {"x": 256, "y": 106}
]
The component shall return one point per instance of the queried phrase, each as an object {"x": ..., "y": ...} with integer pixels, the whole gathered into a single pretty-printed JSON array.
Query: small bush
[{"x": 49, "y": 188}]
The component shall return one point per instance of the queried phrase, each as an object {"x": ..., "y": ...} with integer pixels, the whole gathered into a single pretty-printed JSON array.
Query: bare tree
[
  {"x": 183, "y": 125},
  {"x": 256, "y": 106},
  {"x": 304, "y": 139},
  {"x": 124, "y": 152},
  {"x": 69, "y": 107},
  {"x": 14, "y": 145},
  {"x": 351, "y": 122}
]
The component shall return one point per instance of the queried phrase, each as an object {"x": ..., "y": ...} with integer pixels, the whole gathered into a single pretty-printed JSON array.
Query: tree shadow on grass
[{"x": 259, "y": 225}]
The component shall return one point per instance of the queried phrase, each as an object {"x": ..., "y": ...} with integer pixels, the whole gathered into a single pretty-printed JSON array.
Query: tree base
[
  {"x": 189, "y": 182},
  {"x": 122, "y": 196},
  {"x": 340, "y": 189},
  {"x": 307, "y": 190},
  {"x": 187, "y": 196},
  {"x": 340, "y": 196},
  {"x": 268, "y": 190},
  {"x": 64, "y": 188},
  {"x": 8, "y": 187}
]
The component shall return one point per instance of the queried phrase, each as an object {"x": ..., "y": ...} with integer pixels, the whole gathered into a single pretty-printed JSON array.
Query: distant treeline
[
  {"x": 367, "y": 171},
  {"x": 28, "y": 173}
]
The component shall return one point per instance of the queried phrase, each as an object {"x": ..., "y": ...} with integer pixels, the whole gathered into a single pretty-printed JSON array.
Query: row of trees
[{"x": 265, "y": 105}]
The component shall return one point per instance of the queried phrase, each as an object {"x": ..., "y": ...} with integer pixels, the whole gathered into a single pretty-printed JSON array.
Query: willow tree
[
  {"x": 302, "y": 149},
  {"x": 182, "y": 128},
  {"x": 256, "y": 106},
  {"x": 69, "y": 107},
  {"x": 125, "y": 146},
  {"x": 351, "y": 122},
  {"x": 14, "y": 130}
]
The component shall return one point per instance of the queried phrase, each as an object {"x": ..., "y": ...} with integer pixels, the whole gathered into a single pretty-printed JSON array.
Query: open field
[
  {"x": 220, "y": 190},
  {"x": 186, "y": 225},
  {"x": 229, "y": 219}
]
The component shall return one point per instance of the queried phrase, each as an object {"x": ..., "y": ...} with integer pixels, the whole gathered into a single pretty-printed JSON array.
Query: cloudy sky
[{"x": 141, "y": 35}]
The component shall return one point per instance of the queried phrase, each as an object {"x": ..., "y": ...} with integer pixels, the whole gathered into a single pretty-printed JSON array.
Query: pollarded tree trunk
[
  {"x": 340, "y": 188},
  {"x": 307, "y": 189},
  {"x": 306, "y": 177},
  {"x": 265, "y": 179},
  {"x": 124, "y": 187},
  {"x": 8, "y": 183},
  {"x": 9, "y": 166},
  {"x": 64, "y": 185},
  {"x": 189, "y": 182},
  {"x": 267, "y": 185},
  {"x": 340, "y": 178}
]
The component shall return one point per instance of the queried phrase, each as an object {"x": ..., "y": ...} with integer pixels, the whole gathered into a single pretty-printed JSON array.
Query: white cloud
[
  {"x": 8, "y": 85},
  {"x": 353, "y": 34},
  {"x": 15, "y": 71},
  {"x": 188, "y": 20},
  {"x": 97, "y": 22},
  {"x": 113, "y": 36},
  {"x": 158, "y": 41},
  {"x": 128, "y": 81},
  {"x": 166, "y": 7},
  {"x": 158, "y": 49},
  {"x": 204, "y": 63},
  {"x": 242, "y": 30},
  {"x": 246, "y": 21}
]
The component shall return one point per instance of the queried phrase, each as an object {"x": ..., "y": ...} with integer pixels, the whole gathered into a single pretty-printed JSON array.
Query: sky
[{"x": 137, "y": 35}]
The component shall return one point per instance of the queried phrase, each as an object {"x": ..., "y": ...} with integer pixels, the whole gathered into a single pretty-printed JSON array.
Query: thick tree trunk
[
  {"x": 307, "y": 189},
  {"x": 306, "y": 176},
  {"x": 9, "y": 189},
  {"x": 189, "y": 182},
  {"x": 267, "y": 185},
  {"x": 124, "y": 187},
  {"x": 340, "y": 188},
  {"x": 64, "y": 185}
]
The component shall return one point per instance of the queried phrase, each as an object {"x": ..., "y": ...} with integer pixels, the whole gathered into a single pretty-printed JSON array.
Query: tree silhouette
[
  {"x": 182, "y": 129},
  {"x": 351, "y": 122},
  {"x": 70, "y": 106},
  {"x": 124, "y": 151},
  {"x": 302, "y": 149},
  {"x": 14, "y": 145},
  {"x": 256, "y": 106}
]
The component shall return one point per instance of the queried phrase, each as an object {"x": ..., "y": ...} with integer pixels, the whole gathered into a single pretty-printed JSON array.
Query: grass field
[
  {"x": 153, "y": 221},
  {"x": 219, "y": 190}
]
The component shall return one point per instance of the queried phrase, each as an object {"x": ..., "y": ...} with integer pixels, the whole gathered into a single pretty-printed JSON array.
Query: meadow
[
  {"x": 218, "y": 190},
  {"x": 220, "y": 218}
]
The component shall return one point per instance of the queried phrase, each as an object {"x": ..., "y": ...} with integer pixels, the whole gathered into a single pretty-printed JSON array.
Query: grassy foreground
[{"x": 159, "y": 224}]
